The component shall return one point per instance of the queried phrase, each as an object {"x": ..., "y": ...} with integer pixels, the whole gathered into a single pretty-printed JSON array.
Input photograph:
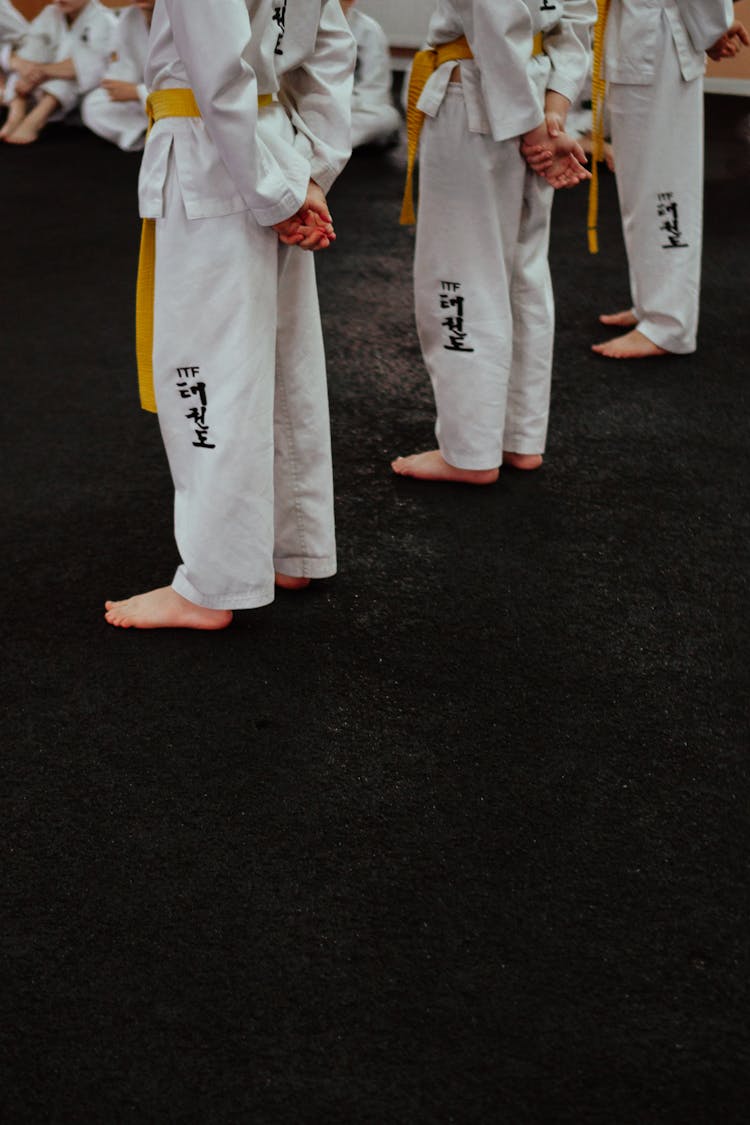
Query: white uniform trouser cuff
[
  {"x": 252, "y": 598},
  {"x": 522, "y": 445},
  {"x": 467, "y": 460},
  {"x": 670, "y": 339},
  {"x": 301, "y": 567}
]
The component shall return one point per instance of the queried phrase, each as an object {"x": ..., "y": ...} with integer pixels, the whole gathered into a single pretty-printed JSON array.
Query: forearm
[
  {"x": 568, "y": 47},
  {"x": 556, "y": 105},
  {"x": 63, "y": 69},
  {"x": 319, "y": 96},
  {"x": 705, "y": 20}
]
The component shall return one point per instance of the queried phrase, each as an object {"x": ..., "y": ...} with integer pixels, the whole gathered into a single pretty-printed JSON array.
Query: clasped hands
[
  {"x": 731, "y": 43},
  {"x": 553, "y": 154},
  {"x": 312, "y": 226},
  {"x": 30, "y": 74}
]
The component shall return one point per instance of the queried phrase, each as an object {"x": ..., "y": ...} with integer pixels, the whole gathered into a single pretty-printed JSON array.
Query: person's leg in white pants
[
  {"x": 476, "y": 271},
  {"x": 533, "y": 307},
  {"x": 657, "y": 137},
  {"x": 304, "y": 540},
  {"x": 219, "y": 403}
]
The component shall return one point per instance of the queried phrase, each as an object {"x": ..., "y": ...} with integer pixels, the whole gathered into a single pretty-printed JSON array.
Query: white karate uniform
[
  {"x": 239, "y": 368},
  {"x": 374, "y": 117},
  {"x": 123, "y": 123},
  {"x": 88, "y": 42},
  {"x": 484, "y": 305},
  {"x": 654, "y": 63}
]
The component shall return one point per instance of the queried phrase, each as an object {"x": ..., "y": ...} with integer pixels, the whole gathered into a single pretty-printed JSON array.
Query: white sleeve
[
  {"x": 212, "y": 37},
  {"x": 568, "y": 47},
  {"x": 91, "y": 58},
  {"x": 500, "y": 36},
  {"x": 318, "y": 95},
  {"x": 705, "y": 20}
]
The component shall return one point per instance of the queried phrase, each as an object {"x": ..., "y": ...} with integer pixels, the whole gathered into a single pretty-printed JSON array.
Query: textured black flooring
[{"x": 459, "y": 836}]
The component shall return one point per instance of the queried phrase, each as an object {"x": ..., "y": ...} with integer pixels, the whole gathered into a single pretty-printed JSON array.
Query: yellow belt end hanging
[
  {"x": 593, "y": 214},
  {"x": 144, "y": 316},
  {"x": 424, "y": 64},
  {"x": 408, "y": 216},
  {"x": 160, "y": 103},
  {"x": 598, "y": 94}
]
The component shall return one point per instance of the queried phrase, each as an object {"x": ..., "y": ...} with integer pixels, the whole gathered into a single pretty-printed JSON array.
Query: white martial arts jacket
[
  {"x": 634, "y": 36},
  {"x": 503, "y": 86},
  {"x": 230, "y": 52},
  {"x": 372, "y": 78},
  {"x": 130, "y": 51},
  {"x": 88, "y": 42}
]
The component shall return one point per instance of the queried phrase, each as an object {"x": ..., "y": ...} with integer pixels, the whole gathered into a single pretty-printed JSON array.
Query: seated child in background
[
  {"x": 13, "y": 27},
  {"x": 375, "y": 119},
  {"x": 117, "y": 109},
  {"x": 64, "y": 54}
]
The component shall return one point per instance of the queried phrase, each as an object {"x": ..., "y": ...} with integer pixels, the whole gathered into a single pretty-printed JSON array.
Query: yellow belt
[
  {"x": 598, "y": 91},
  {"x": 425, "y": 64},
  {"x": 159, "y": 104}
]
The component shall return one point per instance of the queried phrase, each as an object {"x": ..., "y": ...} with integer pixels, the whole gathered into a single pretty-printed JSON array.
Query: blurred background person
[
  {"x": 375, "y": 119},
  {"x": 117, "y": 109}
]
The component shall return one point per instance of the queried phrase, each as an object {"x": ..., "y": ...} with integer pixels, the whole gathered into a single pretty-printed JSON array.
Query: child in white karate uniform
[
  {"x": 375, "y": 119},
  {"x": 64, "y": 54},
  {"x": 117, "y": 109},
  {"x": 654, "y": 61},
  {"x": 484, "y": 306},
  {"x": 252, "y": 107}
]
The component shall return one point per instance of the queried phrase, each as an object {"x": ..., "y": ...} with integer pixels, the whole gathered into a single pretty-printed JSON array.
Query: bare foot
[
  {"x": 525, "y": 461},
  {"x": 624, "y": 319},
  {"x": 433, "y": 466},
  {"x": 633, "y": 345},
  {"x": 164, "y": 609},
  {"x": 16, "y": 114},
  {"x": 288, "y": 582},
  {"x": 23, "y": 134}
]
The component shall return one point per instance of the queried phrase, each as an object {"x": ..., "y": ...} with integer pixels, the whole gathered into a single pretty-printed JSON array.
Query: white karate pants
[
  {"x": 483, "y": 294},
  {"x": 122, "y": 123},
  {"x": 374, "y": 124},
  {"x": 657, "y": 138},
  {"x": 239, "y": 374}
]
